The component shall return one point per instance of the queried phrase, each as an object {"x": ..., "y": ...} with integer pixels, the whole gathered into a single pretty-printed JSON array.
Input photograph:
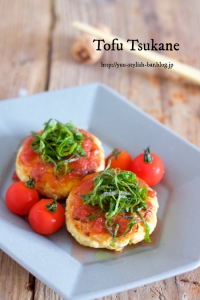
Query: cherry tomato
[
  {"x": 47, "y": 216},
  {"x": 149, "y": 167},
  {"x": 21, "y": 196},
  {"x": 119, "y": 159}
]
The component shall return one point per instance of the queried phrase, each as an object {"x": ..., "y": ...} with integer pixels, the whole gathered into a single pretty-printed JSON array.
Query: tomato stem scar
[
  {"x": 52, "y": 207},
  {"x": 30, "y": 183},
  {"x": 147, "y": 155}
]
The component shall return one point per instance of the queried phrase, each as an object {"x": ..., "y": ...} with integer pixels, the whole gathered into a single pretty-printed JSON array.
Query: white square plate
[{"x": 77, "y": 272}]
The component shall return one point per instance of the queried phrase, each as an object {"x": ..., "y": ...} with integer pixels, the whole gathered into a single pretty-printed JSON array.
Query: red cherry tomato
[
  {"x": 119, "y": 159},
  {"x": 21, "y": 196},
  {"x": 149, "y": 167},
  {"x": 47, "y": 216}
]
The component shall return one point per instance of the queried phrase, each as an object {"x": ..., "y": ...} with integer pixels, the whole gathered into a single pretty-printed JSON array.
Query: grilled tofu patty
[
  {"x": 47, "y": 181},
  {"x": 86, "y": 223}
]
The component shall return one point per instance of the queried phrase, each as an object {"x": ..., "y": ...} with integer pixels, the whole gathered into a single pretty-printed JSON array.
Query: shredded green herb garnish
[
  {"x": 147, "y": 237},
  {"x": 118, "y": 192},
  {"x": 59, "y": 143},
  {"x": 93, "y": 216}
]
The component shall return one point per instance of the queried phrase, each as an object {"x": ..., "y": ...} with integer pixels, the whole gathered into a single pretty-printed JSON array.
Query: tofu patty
[
  {"x": 47, "y": 181},
  {"x": 92, "y": 232}
]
